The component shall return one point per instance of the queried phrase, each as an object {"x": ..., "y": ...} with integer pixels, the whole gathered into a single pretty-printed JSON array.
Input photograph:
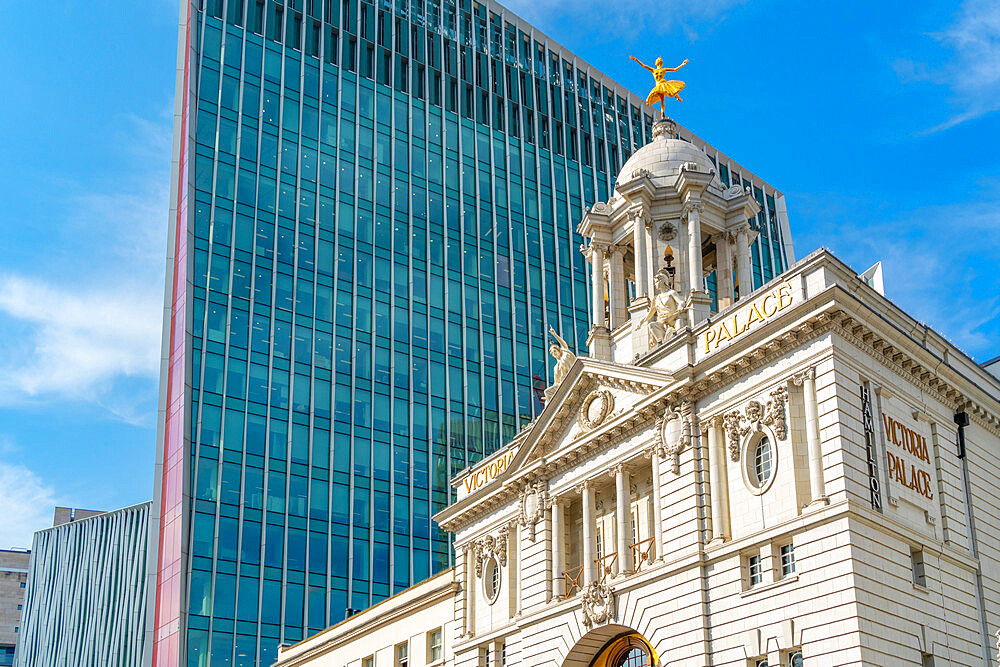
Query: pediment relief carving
[{"x": 593, "y": 401}]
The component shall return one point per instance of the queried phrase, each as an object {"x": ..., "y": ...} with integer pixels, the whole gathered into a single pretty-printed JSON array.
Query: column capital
[
  {"x": 693, "y": 206},
  {"x": 715, "y": 421},
  {"x": 640, "y": 213},
  {"x": 800, "y": 378}
]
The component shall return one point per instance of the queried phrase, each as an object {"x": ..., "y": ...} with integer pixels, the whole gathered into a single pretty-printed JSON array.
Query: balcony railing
[
  {"x": 606, "y": 565},
  {"x": 643, "y": 551},
  {"x": 573, "y": 581}
]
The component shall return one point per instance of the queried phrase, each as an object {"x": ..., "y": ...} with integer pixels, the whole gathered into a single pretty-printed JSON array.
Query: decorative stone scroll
[
  {"x": 756, "y": 415},
  {"x": 490, "y": 547},
  {"x": 534, "y": 500},
  {"x": 595, "y": 409},
  {"x": 673, "y": 434},
  {"x": 598, "y": 603}
]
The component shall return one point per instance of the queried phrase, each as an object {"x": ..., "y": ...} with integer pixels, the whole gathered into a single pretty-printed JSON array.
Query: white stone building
[{"x": 806, "y": 477}]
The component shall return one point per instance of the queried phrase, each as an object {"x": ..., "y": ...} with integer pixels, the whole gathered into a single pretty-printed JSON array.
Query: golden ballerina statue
[{"x": 663, "y": 89}]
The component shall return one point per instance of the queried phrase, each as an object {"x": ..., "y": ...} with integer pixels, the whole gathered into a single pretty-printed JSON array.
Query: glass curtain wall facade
[{"x": 374, "y": 223}]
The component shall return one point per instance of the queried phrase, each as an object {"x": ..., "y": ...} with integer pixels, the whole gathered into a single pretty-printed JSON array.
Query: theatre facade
[{"x": 797, "y": 475}]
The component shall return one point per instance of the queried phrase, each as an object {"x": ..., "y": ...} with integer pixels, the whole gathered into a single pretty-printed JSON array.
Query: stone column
[
  {"x": 622, "y": 516},
  {"x": 639, "y": 250},
  {"x": 470, "y": 591},
  {"x": 657, "y": 533},
  {"x": 743, "y": 272},
  {"x": 647, "y": 222},
  {"x": 692, "y": 210},
  {"x": 817, "y": 487},
  {"x": 718, "y": 479},
  {"x": 597, "y": 297},
  {"x": 513, "y": 569},
  {"x": 724, "y": 269},
  {"x": 558, "y": 540},
  {"x": 619, "y": 304},
  {"x": 589, "y": 526}
]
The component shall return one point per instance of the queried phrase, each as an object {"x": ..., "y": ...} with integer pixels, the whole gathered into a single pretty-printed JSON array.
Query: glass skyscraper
[{"x": 372, "y": 227}]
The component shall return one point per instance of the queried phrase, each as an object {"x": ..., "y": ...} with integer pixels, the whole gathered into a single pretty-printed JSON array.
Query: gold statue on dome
[{"x": 663, "y": 88}]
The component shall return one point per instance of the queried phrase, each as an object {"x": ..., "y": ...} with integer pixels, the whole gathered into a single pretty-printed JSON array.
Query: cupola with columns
[{"x": 669, "y": 223}]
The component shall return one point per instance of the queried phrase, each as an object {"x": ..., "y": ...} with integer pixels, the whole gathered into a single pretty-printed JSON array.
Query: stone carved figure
[
  {"x": 757, "y": 415},
  {"x": 563, "y": 355},
  {"x": 664, "y": 314},
  {"x": 663, "y": 88},
  {"x": 598, "y": 604}
]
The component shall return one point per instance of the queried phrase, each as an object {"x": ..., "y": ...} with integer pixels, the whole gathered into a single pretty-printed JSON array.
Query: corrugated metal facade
[{"x": 86, "y": 595}]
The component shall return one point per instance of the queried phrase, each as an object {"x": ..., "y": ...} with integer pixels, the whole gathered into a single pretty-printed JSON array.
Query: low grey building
[
  {"x": 85, "y": 601},
  {"x": 13, "y": 575}
]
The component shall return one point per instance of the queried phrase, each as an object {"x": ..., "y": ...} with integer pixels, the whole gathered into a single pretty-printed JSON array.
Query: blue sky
[{"x": 877, "y": 120}]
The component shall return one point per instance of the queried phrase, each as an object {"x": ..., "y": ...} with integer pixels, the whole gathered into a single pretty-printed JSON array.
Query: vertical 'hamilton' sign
[{"x": 869, "y": 424}]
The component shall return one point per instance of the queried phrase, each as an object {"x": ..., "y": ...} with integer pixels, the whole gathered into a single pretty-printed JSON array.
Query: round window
[
  {"x": 759, "y": 462},
  {"x": 491, "y": 580}
]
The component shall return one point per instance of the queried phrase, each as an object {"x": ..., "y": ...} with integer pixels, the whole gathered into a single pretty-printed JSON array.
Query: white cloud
[
  {"x": 973, "y": 71},
  {"x": 624, "y": 19},
  {"x": 27, "y": 503},
  {"x": 82, "y": 338},
  {"x": 939, "y": 261},
  {"x": 82, "y": 325}
]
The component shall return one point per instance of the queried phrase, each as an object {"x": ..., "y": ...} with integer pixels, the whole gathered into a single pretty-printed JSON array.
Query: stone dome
[{"x": 664, "y": 156}]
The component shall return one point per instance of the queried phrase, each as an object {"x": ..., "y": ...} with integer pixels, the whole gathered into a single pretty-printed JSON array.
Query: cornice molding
[{"x": 619, "y": 427}]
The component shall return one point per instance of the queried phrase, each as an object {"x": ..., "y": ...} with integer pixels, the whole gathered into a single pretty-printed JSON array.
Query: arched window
[{"x": 633, "y": 657}]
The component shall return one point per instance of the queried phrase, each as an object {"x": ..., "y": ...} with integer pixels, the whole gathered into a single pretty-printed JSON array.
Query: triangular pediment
[{"x": 593, "y": 395}]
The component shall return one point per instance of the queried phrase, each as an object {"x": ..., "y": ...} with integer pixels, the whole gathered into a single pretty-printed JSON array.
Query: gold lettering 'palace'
[{"x": 743, "y": 320}]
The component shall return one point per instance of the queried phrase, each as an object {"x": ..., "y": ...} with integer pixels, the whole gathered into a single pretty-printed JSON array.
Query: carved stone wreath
[
  {"x": 598, "y": 603},
  {"x": 490, "y": 547},
  {"x": 587, "y": 418},
  {"x": 533, "y": 503},
  {"x": 756, "y": 415},
  {"x": 673, "y": 433}
]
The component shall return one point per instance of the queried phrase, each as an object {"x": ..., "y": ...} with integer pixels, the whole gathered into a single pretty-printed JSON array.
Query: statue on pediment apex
[{"x": 564, "y": 361}]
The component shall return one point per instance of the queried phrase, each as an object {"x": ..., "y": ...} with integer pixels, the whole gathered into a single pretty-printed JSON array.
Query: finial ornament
[{"x": 663, "y": 88}]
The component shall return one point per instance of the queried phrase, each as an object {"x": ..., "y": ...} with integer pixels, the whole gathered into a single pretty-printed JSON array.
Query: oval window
[
  {"x": 491, "y": 580},
  {"x": 761, "y": 462}
]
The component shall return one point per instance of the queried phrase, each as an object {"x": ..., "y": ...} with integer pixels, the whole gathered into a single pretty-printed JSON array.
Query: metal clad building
[{"x": 85, "y": 601}]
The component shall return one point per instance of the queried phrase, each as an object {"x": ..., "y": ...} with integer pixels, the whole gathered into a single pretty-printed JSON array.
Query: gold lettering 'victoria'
[
  {"x": 745, "y": 319},
  {"x": 488, "y": 472}
]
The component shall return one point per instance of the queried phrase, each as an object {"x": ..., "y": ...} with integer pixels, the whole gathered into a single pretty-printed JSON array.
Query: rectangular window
[
  {"x": 917, "y": 566},
  {"x": 402, "y": 655},
  {"x": 368, "y": 662},
  {"x": 435, "y": 648},
  {"x": 755, "y": 570},
  {"x": 787, "y": 552}
]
